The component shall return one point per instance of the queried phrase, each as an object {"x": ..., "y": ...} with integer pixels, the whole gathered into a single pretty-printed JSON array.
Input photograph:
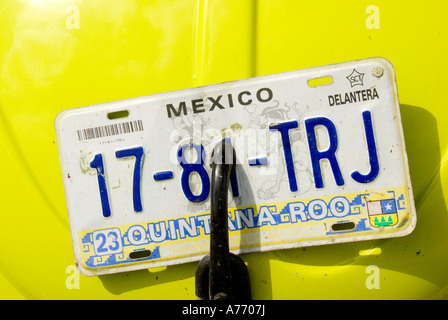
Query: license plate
[{"x": 320, "y": 159}]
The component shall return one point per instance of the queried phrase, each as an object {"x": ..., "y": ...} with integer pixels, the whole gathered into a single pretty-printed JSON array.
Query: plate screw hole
[
  {"x": 322, "y": 81},
  {"x": 343, "y": 226},
  {"x": 117, "y": 114},
  {"x": 377, "y": 72},
  {"x": 140, "y": 254}
]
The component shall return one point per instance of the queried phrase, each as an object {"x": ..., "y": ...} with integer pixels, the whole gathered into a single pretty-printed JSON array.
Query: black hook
[{"x": 221, "y": 275}]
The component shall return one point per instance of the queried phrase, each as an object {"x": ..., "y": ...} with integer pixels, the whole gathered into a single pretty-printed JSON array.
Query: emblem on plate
[
  {"x": 355, "y": 78},
  {"x": 382, "y": 212}
]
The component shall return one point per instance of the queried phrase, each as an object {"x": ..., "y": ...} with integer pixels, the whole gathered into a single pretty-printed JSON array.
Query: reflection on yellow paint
[{"x": 370, "y": 252}]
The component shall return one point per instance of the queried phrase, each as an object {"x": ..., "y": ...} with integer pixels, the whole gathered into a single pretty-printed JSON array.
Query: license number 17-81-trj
[{"x": 315, "y": 164}]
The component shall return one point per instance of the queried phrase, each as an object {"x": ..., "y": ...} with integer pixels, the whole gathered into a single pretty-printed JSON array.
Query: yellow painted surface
[{"x": 56, "y": 55}]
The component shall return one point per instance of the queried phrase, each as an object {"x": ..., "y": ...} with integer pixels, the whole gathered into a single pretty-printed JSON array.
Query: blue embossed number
[
  {"x": 138, "y": 153},
  {"x": 189, "y": 168},
  {"x": 107, "y": 241},
  {"x": 97, "y": 163}
]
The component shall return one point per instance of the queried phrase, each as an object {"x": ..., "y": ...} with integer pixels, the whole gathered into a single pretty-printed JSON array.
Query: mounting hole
[
  {"x": 140, "y": 254},
  {"x": 343, "y": 226},
  {"x": 322, "y": 81},
  {"x": 118, "y": 114}
]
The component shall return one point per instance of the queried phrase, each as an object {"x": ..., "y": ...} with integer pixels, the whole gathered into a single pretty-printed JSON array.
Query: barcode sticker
[{"x": 110, "y": 130}]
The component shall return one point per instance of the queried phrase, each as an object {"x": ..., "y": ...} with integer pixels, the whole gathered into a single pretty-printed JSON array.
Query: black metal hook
[{"x": 221, "y": 275}]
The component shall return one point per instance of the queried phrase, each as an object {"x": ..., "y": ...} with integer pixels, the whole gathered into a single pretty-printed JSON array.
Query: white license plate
[{"x": 316, "y": 164}]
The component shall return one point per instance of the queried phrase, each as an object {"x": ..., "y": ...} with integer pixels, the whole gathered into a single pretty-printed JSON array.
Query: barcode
[{"x": 110, "y": 130}]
